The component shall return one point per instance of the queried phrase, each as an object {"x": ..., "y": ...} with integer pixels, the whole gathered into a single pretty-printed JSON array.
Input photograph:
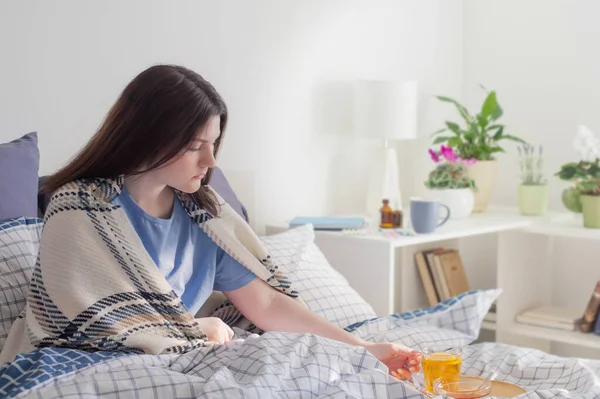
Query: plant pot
[
  {"x": 591, "y": 211},
  {"x": 484, "y": 175},
  {"x": 459, "y": 200},
  {"x": 533, "y": 199}
]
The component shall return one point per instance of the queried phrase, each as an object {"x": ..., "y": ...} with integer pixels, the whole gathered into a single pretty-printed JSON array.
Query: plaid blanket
[
  {"x": 283, "y": 365},
  {"x": 95, "y": 288}
]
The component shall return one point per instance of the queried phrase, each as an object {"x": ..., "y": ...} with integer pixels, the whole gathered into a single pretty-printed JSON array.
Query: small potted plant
[
  {"x": 480, "y": 137},
  {"x": 533, "y": 192},
  {"x": 449, "y": 183},
  {"x": 584, "y": 195}
]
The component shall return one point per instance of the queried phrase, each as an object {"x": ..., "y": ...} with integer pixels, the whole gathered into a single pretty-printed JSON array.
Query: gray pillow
[
  {"x": 218, "y": 182},
  {"x": 19, "y": 166}
]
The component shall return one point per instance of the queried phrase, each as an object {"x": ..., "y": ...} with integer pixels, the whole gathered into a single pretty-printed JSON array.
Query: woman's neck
[{"x": 153, "y": 197}]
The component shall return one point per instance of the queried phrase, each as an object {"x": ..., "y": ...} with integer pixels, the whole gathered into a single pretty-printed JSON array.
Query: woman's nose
[{"x": 208, "y": 160}]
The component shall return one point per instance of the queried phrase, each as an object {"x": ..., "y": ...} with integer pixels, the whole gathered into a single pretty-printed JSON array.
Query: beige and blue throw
[{"x": 95, "y": 287}]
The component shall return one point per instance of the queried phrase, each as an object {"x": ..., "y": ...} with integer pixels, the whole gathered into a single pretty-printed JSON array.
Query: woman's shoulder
[{"x": 85, "y": 190}]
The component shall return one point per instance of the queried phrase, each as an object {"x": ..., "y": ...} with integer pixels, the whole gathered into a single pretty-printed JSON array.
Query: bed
[{"x": 273, "y": 364}]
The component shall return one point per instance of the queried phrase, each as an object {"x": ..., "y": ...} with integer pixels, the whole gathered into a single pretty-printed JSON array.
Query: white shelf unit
[
  {"x": 587, "y": 340},
  {"x": 488, "y": 325},
  {"x": 526, "y": 264},
  {"x": 550, "y": 262},
  {"x": 383, "y": 270}
]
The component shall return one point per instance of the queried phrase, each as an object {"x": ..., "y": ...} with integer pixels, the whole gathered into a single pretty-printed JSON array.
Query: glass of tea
[{"x": 440, "y": 362}]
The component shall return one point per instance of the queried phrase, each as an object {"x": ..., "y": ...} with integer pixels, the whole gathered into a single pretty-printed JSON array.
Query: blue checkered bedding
[{"x": 300, "y": 366}]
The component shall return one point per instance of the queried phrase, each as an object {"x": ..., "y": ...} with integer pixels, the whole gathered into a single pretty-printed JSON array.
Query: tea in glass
[{"x": 440, "y": 362}]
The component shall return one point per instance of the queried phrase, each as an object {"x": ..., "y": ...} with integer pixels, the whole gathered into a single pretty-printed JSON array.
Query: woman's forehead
[{"x": 210, "y": 131}]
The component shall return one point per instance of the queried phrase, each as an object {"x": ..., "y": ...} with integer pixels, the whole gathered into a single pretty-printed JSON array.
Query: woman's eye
[{"x": 195, "y": 148}]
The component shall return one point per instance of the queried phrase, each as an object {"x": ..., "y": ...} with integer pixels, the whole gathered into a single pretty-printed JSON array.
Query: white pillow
[
  {"x": 19, "y": 246},
  {"x": 325, "y": 291}
]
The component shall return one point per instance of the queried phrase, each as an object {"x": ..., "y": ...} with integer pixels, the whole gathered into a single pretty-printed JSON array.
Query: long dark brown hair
[{"x": 156, "y": 117}]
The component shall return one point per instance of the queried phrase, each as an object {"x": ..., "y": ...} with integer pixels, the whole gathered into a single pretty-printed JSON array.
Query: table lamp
[{"x": 386, "y": 110}]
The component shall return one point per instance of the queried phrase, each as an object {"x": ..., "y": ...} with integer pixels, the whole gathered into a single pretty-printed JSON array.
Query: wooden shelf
[{"x": 589, "y": 340}]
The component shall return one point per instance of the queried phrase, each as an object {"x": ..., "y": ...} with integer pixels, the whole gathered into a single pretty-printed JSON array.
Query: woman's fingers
[{"x": 404, "y": 374}]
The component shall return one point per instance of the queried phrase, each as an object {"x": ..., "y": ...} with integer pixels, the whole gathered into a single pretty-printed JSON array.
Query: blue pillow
[{"x": 19, "y": 166}]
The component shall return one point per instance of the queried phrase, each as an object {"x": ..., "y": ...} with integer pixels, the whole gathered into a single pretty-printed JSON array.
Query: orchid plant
[
  {"x": 450, "y": 171},
  {"x": 585, "y": 173}
]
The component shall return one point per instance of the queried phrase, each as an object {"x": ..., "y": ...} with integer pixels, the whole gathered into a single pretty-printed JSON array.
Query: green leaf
[
  {"x": 438, "y": 132},
  {"x": 489, "y": 105},
  {"x": 461, "y": 108},
  {"x": 513, "y": 138},
  {"x": 468, "y": 136},
  {"x": 589, "y": 185},
  {"x": 454, "y": 142},
  {"x": 593, "y": 170},
  {"x": 497, "y": 113},
  {"x": 453, "y": 127},
  {"x": 567, "y": 172},
  {"x": 483, "y": 122},
  {"x": 498, "y": 134},
  {"x": 442, "y": 139},
  {"x": 495, "y": 149}
]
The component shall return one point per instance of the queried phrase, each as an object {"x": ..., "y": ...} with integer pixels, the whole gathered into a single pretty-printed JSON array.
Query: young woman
[{"x": 162, "y": 136}]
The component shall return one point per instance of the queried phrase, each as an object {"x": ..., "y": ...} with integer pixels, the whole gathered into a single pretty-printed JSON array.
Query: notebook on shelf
[{"x": 335, "y": 223}]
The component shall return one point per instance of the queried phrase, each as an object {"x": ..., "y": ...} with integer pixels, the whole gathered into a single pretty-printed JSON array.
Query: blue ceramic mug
[{"x": 425, "y": 215}]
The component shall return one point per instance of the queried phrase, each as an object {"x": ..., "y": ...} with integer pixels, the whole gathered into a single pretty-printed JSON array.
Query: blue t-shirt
[{"x": 190, "y": 261}]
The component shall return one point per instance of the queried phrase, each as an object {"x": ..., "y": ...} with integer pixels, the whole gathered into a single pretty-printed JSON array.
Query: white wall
[
  {"x": 542, "y": 58},
  {"x": 275, "y": 62}
]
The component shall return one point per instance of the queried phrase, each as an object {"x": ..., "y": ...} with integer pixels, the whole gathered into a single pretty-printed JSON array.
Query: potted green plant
[
  {"x": 479, "y": 137},
  {"x": 584, "y": 194},
  {"x": 533, "y": 191},
  {"x": 448, "y": 182}
]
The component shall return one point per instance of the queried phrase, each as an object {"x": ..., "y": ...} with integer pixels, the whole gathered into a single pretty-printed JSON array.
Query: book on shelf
[
  {"x": 588, "y": 321},
  {"x": 442, "y": 274},
  {"x": 556, "y": 317}
]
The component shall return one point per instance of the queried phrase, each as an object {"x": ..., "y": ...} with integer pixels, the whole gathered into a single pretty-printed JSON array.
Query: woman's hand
[
  {"x": 215, "y": 329},
  {"x": 400, "y": 360}
]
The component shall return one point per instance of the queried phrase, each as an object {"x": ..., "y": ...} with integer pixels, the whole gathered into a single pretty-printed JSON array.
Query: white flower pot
[
  {"x": 460, "y": 200},
  {"x": 484, "y": 175}
]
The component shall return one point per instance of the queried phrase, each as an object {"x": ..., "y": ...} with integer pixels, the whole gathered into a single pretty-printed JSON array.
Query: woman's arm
[{"x": 271, "y": 310}]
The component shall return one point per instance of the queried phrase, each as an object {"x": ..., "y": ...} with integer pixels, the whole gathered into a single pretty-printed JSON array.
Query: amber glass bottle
[{"x": 386, "y": 215}]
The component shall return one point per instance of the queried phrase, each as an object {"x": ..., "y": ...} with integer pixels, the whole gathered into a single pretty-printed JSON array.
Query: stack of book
[
  {"x": 442, "y": 274},
  {"x": 567, "y": 319},
  {"x": 556, "y": 317}
]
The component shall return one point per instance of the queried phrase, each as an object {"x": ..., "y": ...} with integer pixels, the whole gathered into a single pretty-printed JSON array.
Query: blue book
[{"x": 329, "y": 223}]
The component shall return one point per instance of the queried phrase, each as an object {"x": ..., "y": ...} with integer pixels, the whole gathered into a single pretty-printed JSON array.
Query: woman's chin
[{"x": 190, "y": 187}]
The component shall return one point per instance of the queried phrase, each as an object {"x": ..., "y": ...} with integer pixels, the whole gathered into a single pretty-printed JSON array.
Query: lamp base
[{"x": 384, "y": 182}]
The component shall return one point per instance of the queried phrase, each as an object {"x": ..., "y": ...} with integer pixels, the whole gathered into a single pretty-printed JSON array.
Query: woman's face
[{"x": 185, "y": 172}]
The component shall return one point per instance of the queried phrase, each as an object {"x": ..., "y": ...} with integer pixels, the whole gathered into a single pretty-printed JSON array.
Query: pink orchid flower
[
  {"x": 434, "y": 156},
  {"x": 449, "y": 154}
]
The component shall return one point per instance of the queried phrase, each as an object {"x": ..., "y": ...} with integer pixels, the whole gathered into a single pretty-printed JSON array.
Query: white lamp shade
[{"x": 385, "y": 109}]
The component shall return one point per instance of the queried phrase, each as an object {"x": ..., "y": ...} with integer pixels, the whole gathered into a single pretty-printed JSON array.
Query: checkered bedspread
[{"x": 282, "y": 365}]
